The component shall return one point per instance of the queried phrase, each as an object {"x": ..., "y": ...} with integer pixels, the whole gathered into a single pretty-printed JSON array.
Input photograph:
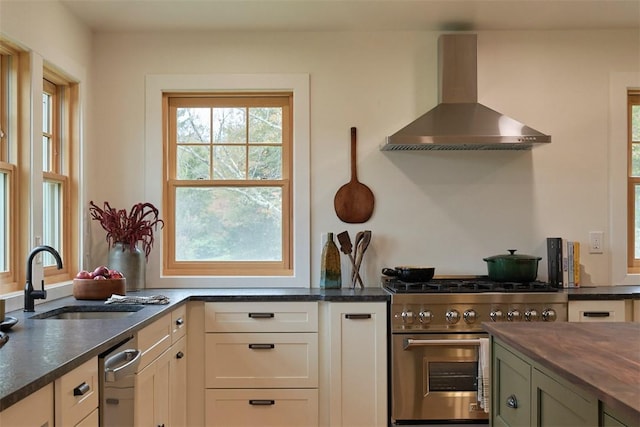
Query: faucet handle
[{"x": 42, "y": 294}]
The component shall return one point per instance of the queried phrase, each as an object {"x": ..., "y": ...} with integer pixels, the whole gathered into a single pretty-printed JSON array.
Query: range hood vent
[{"x": 459, "y": 122}]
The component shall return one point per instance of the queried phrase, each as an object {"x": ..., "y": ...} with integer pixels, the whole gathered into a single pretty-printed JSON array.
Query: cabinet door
[
  {"x": 511, "y": 389},
  {"x": 178, "y": 383},
  {"x": 36, "y": 410},
  {"x": 358, "y": 361},
  {"x": 557, "y": 404},
  {"x": 152, "y": 393}
]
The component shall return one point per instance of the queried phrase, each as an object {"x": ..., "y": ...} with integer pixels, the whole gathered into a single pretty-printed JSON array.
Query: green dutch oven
[{"x": 512, "y": 268}]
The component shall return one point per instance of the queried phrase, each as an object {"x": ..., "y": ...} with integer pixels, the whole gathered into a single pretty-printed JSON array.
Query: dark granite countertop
[
  {"x": 40, "y": 350},
  {"x": 601, "y": 358},
  {"x": 603, "y": 293}
]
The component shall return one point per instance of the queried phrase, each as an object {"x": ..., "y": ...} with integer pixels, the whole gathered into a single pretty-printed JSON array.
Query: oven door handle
[{"x": 410, "y": 342}]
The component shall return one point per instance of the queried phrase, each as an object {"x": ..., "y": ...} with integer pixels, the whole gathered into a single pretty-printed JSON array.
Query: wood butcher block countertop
[{"x": 601, "y": 358}]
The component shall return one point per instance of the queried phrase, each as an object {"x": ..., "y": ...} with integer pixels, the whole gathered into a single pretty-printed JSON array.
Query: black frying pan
[{"x": 410, "y": 274}]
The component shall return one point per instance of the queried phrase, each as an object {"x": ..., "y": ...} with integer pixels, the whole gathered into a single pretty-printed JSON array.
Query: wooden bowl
[{"x": 98, "y": 289}]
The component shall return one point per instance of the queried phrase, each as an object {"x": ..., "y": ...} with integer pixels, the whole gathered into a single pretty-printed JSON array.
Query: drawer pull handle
[
  {"x": 512, "y": 402},
  {"x": 179, "y": 355},
  {"x": 261, "y": 402},
  {"x": 262, "y": 315},
  {"x": 596, "y": 314},
  {"x": 81, "y": 390},
  {"x": 358, "y": 316},
  {"x": 179, "y": 321},
  {"x": 261, "y": 346}
]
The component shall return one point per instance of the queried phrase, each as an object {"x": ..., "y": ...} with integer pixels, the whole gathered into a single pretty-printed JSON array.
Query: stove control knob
[
  {"x": 496, "y": 315},
  {"x": 514, "y": 315},
  {"x": 470, "y": 316},
  {"x": 407, "y": 317},
  {"x": 452, "y": 316},
  {"x": 549, "y": 315},
  {"x": 425, "y": 316},
  {"x": 531, "y": 315}
]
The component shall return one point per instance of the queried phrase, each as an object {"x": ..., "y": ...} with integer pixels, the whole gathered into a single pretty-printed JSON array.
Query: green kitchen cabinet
[
  {"x": 511, "y": 402},
  {"x": 558, "y": 403},
  {"x": 526, "y": 394}
]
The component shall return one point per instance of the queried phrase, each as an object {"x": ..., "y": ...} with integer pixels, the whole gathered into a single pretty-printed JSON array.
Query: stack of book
[{"x": 563, "y": 258}]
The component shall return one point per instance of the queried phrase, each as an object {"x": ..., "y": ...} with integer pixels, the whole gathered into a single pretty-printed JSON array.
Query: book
[
  {"x": 576, "y": 264},
  {"x": 554, "y": 261},
  {"x": 570, "y": 275}
]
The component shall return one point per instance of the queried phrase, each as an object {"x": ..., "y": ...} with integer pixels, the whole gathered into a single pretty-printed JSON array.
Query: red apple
[
  {"x": 99, "y": 278},
  {"x": 100, "y": 271},
  {"x": 83, "y": 274},
  {"x": 115, "y": 274}
]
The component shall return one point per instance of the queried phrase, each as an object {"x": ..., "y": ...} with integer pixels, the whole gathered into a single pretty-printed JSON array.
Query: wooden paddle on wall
[{"x": 354, "y": 201}]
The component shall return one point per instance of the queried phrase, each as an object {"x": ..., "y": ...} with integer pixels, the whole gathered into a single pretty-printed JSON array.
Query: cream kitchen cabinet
[
  {"x": 354, "y": 364},
  {"x": 600, "y": 310},
  {"x": 636, "y": 310},
  {"x": 75, "y": 404},
  {"x": 36, "y": 410},
  {"x": 160, "y": 397},
  {"x": 261, "y": 363},
  {"x": 76, "y": 396}
]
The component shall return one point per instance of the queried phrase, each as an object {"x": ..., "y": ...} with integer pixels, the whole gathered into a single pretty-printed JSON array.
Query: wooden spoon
[
  {"x": 354, "y": 201},
  {"x": 345, "y": 247}
]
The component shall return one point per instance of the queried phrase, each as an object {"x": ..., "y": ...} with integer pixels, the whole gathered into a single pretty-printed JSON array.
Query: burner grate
[{"x": 466, "y": 285}]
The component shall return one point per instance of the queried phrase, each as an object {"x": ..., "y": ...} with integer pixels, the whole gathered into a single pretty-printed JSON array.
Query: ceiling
[{"x": 353, "y": 15}]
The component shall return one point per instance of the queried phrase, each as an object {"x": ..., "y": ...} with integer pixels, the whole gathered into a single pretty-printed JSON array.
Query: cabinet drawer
[
  {"x": 261, "y": 317},
  {"x": 178, "y": 323},
  {"x": 155, "y": 339},
  {"x": 255, "y": 360},
  {"x": 76, "y": 394},
  {"x": 598, "y": 311},
  {"x": 262, "y": 407}
]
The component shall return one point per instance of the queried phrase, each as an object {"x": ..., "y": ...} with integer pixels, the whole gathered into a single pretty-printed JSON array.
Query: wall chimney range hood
[{"x": 459, "y": 122}]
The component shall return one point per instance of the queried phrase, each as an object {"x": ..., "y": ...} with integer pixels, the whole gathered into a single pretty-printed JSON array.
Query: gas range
[{"x": 462, "y": 304}]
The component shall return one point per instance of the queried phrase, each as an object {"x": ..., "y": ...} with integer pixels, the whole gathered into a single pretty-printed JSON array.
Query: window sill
[{"x": 15, "y": 300}]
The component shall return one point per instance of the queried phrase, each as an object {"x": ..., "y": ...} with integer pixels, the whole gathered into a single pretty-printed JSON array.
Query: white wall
[{"x": 447, "y": 210}]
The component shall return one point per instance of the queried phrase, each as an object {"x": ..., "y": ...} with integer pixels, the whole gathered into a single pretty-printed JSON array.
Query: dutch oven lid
[{"x": 513, "y": 256}]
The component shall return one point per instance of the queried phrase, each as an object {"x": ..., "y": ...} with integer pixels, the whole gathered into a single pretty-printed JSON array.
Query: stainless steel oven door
[{"x": 435, "y": 377}]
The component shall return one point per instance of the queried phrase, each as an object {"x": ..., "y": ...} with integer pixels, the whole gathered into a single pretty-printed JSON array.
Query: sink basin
[{"x": 77, "y": 312}]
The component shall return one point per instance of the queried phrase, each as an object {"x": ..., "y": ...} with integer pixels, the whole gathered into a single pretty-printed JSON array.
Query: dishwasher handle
[{"x": 121, "y": 364}]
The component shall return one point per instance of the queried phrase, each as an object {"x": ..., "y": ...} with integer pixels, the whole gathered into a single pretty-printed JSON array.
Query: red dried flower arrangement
[{"x": 130, "y": 227}]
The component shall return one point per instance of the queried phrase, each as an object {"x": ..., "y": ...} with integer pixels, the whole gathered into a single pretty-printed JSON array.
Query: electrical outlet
[{"x": 596, "y": 242}]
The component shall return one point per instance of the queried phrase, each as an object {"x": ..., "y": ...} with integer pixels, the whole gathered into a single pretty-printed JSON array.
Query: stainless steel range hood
[{"x": 459, "y": 122}]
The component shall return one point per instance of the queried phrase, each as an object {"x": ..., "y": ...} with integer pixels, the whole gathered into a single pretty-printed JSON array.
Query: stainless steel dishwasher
[{"x": 118, "y": 367}]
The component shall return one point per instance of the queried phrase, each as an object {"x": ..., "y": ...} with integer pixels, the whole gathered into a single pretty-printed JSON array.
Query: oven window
[{"x": 453, "y": 376}]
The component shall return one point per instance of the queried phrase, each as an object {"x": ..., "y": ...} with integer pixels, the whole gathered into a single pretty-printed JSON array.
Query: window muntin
[{"x": 228, "y": 185}]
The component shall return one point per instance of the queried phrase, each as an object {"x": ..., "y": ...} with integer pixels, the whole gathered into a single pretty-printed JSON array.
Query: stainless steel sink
[{"x": 77, "y": 312}]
